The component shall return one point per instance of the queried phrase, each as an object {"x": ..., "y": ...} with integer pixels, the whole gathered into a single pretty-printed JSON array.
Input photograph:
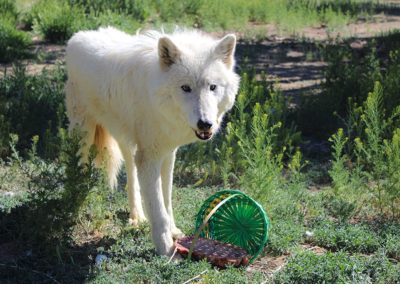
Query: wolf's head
[{"x": 200, "y": 78}]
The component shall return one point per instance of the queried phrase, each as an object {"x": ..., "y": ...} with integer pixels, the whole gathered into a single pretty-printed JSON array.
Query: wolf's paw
[
  {"x": 177, "y": 233},
  {"x": 135, "y": 222}
]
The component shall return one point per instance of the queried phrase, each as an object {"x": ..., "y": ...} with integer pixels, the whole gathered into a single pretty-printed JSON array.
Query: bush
[
  {"x": 8, "y": 11},
  {"x": 392, "y": 246},
  {"x": 13, "y": 43},
  {"x": 56, "y": 193},
  {"x": 56, "y": 20}
]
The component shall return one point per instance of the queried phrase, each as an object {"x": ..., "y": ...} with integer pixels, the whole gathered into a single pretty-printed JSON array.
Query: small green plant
[
  {"x": 339, "y": 173},
  {"x": 264, "y": 167},
  {"x": 8, "y": 11}
]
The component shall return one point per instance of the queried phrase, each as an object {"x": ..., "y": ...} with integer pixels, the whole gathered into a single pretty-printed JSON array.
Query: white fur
[{"x": 125, "y": 93}]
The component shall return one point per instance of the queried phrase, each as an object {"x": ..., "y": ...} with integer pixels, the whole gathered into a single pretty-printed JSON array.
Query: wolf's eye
[
  {"x": 213, "y": 87},
  {"x": 186, "y": 88}
]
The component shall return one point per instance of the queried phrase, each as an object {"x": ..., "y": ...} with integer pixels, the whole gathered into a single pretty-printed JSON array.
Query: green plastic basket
[{"x": 237, "y": 219}]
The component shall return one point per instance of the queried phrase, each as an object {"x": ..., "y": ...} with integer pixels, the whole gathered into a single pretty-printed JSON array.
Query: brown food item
[{"x": 217, "y": 253}]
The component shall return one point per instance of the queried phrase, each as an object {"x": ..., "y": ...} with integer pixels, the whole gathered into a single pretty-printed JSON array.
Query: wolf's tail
[{"x": 109, "y": 154}]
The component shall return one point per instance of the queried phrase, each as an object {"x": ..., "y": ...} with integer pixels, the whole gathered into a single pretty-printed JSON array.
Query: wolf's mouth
[{"x": 203, "y": 135}]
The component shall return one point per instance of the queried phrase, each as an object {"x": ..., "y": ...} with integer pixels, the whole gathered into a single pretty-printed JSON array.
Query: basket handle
[{"x": 200, "y": 229}]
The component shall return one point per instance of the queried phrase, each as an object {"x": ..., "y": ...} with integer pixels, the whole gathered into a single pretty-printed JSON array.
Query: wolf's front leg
[
  {"x": 149, "y": 175},
  {"x": 167, "y": 172}
]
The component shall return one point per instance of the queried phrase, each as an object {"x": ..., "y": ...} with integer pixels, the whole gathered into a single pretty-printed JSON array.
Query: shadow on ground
[{"x": 44, "y": 252}]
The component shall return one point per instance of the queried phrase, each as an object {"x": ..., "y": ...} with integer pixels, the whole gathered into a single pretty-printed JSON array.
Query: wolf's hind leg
[{"x": 136, "y": 214}]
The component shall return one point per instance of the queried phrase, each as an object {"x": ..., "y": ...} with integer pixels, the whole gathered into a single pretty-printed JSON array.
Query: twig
[
  {"x": 197, "y": 276},
  {"x": 34, "y": 271},
  {"x": 172, "y": 256}
]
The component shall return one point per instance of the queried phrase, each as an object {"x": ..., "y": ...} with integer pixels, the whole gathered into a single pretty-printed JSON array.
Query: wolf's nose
[{"x": 204, "y": 125}]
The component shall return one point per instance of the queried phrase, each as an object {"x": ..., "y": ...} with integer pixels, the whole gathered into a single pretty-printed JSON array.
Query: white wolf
[{"x": 141, "y": 97}]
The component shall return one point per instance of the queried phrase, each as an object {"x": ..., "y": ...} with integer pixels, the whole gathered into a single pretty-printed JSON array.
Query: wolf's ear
[
  {"x": 225, "y": 49},
  {"x": 168, "y": 52}
]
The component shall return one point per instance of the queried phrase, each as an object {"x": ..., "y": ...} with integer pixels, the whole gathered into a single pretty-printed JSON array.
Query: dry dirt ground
[{"x": 291, "y": 61}]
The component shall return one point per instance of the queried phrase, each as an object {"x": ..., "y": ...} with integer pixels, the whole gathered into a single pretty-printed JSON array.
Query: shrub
[
  {"x": 349, "y": 77},
  {"x": 8, "y": 11},
  {"x": 339, "y": 174},
  {"x": 13, "y": 43},
  {"x": 56, "y": 192},
  {"x": 56, "y": 20}
]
